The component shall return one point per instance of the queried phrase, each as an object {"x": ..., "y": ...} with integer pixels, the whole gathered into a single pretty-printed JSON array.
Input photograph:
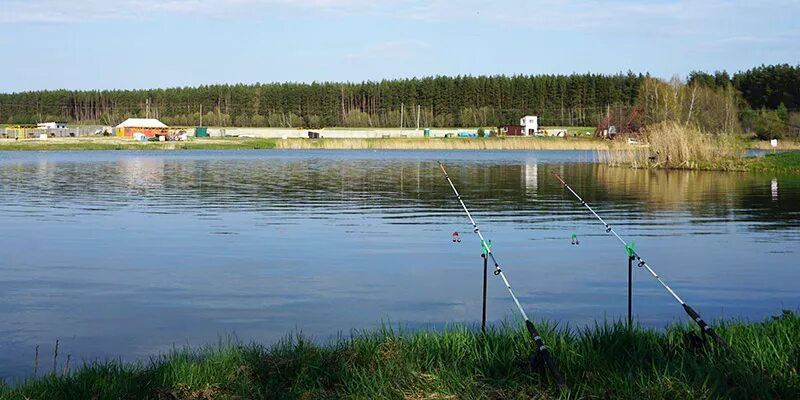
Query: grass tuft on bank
[{"x": 604, "y": 361}]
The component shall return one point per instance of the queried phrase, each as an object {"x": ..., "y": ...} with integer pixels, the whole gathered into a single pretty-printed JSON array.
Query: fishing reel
[
  {"x": 695, "y": 342},
  {"x": 536, "y": 363}
]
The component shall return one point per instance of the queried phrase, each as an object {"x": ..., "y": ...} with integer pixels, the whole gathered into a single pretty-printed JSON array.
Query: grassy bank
[
  {"x": 99, "y": 143},
  {"x": 605, "y": 361},
  {"x": 786, "y": 162}
]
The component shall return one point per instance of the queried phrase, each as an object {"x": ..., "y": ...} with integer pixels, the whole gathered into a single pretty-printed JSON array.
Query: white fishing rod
[
  {"x": 543, "y": 351},
  {"x": 706, "y": 328}
]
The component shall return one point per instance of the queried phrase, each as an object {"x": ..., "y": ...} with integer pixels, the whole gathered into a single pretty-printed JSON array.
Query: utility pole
[
  {"x": 201, "y": 114},
  {"x": 147, "y": 107},
  {"x": 402, "y": 110},
  {"x": 418, "y": 110}
]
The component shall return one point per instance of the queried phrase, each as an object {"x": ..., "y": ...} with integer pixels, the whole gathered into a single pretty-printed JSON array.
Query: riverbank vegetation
[
  {"x": 603, "y": 361},
  {"x": 704, "y": 123},
  {"x": 680, "y": 146},
  {"x": 623, "y": 154},
  {"x": 786, "y": 162},
  {"x": 503, "y": 143},
  {"x": 670, "y": 145}
]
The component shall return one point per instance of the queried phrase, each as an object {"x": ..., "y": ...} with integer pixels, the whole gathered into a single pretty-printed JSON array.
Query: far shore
[{"x": 244, "y": 143}]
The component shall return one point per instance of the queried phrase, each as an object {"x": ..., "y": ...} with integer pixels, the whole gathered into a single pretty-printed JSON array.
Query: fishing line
[
  {"x": 542, "y": 350},
  {"x": 630, "y": 249}
]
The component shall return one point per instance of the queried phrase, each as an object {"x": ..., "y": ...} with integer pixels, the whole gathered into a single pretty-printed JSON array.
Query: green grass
[
  {"x": 604, "y": 361},
  {"x": 779, "y": 162}
]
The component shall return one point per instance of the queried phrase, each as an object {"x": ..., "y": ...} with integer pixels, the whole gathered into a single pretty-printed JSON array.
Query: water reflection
[
  {"x": 774, "y": 187},
  {"x": 120, "y": 254}
]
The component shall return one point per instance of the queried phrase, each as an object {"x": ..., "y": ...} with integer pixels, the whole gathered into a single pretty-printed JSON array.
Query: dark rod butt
[
  {"x": 704, "y": 327},
  {"x": 544, "y": 352}
]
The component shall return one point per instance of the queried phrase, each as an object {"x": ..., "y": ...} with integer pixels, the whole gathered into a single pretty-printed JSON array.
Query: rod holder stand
[
  {"x": 485, "y": 277},
  {"x": 630, "y": 291}
]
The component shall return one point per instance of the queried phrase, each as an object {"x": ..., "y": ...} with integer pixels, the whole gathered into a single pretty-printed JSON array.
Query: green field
[{"x": 604, "y": 361}]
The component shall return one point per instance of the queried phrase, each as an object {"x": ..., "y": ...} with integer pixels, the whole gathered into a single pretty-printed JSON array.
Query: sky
[{"x": 135, "y": 44}]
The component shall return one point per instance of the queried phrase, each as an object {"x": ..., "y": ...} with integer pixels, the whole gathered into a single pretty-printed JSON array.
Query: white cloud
[
  {"x": 708, "y": 21},
  {"x": 59, "y": 11}
]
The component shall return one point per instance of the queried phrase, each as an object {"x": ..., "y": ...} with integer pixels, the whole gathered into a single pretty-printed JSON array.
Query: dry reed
[
  {"x": 676, "y": 145},
  {"x": 446, "y": 144}
]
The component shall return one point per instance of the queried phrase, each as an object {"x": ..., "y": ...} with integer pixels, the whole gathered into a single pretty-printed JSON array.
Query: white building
[
  {"x": 530, "y": 124},
  {"x": 52, "y": 125}
]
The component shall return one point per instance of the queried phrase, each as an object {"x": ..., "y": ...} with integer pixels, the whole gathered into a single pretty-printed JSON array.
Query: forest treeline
[
  {"x": 434, "y": 101},
  {"x": 577, "y": 99}
]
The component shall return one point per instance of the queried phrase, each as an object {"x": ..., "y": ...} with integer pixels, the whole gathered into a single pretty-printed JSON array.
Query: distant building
[
  {"x": 511, "y": 130},
  {"x": 530, "y": 124},
  {"x": 52, "y": 125},
  {"x": 149, "y": 127}
]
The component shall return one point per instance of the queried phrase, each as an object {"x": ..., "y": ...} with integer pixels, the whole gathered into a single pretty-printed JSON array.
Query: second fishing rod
[
  {"x": 542, "y": 350},
  {"x": 705, "y": 327}
]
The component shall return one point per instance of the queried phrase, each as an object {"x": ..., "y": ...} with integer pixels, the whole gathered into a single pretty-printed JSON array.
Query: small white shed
[{"x": 530, "y": 124}]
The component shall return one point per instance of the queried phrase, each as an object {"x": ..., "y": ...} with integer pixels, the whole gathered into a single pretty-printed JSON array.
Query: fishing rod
[
  {"x": 705, "y": 328},
  {"x": 542, "y": 350}
]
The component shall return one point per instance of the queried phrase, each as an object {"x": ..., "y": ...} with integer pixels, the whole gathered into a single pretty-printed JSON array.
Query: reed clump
[
  {"x": 680, "y": 146},
  {"x": 607, "y": 360}
]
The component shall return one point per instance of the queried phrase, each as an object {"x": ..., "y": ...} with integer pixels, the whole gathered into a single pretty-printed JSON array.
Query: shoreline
[
  {"x": 458, "y": 361},
  {"x": 244, "y": 143},
  {"x": 247, "y": 143},
  {"x": 785, "y": 160}
]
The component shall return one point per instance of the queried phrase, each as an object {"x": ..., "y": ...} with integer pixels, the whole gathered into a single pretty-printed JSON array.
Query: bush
[{"x": 766, "y": 124}]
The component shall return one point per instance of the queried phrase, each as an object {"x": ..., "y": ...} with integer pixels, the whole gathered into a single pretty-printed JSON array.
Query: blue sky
[{"x": 95, "y": 44}]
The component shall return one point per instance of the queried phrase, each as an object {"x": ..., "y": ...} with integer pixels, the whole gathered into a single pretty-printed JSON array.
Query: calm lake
[{"x": 121, "y": 255}]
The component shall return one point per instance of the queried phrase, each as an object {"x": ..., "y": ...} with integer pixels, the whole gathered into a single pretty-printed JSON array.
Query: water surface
[{"x": 125, "y": 254}]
